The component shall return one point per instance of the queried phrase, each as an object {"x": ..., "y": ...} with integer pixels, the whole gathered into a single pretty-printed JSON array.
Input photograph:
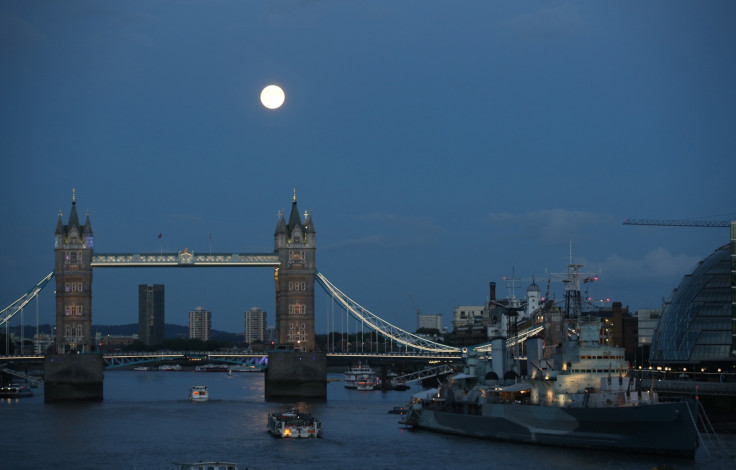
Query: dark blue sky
[{"x": 440, "y": 145}]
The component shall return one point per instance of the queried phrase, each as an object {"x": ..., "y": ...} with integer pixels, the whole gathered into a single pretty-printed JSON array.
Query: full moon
[{"x": 272, "y": 97}]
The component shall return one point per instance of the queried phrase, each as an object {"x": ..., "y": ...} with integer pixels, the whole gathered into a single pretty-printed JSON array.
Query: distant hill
[{"x": 170, "y": 331}]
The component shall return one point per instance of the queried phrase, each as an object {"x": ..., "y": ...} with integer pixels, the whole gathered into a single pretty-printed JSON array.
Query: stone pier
[
  {"x": 296, "y": 375},
  {"x": 73, "y": 377}
]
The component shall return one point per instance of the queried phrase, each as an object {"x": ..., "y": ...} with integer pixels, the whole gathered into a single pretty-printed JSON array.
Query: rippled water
[{"x": 147, "y": 422}]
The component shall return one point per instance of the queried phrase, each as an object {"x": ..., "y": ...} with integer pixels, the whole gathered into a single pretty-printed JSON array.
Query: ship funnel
[
  {"x": 498, "y": 352},
  {"x": 493, "y": 291}
]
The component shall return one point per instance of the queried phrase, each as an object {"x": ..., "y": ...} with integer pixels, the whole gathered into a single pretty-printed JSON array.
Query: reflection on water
[{"x": 147, "y": 422}]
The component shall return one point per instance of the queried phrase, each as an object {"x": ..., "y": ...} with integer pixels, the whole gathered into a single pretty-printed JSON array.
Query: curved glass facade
[{"x": 696, "y": 324}]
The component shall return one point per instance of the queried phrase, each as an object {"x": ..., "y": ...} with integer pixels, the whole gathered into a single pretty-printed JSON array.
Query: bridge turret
[
  {"x": 59, "y": 233},
  {"x": 87, "y": 236},
  {"x": 309, "y": 231},
  {"x": 279, "y": 236},
  {"x": 73, "y": 272}
]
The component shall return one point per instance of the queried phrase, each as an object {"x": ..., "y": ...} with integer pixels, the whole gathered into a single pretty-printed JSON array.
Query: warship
[{"x": 580, "y": 396}]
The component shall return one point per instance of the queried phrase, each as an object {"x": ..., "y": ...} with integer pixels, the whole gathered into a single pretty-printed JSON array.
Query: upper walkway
[{"x": 184, "y": 258}]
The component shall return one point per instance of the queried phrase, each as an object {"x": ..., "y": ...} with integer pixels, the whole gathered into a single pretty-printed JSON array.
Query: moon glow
[{"x": 272, "y": 97}]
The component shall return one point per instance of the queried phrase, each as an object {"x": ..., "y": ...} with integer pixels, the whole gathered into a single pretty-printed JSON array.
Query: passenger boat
[
  {"x": 366, "y": 385},
  {"x": 581, "y": 396},
  {"x": 293, "y": 424},
  {"x": 199, "y": 393},
  {"x": 141, "y": 368},
  {"x": 170, "y": 367},
  {"x": 211, "y": 465},
  {"x": 357, "y": 373},
  {"x": 399, "y": 383},
  {"x": 15, "y": 391}
]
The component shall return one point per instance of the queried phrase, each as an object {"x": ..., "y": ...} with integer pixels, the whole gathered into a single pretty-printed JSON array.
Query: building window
[
  {"x": 297, "y": 309},
  {"x": 73, "y": 310}
]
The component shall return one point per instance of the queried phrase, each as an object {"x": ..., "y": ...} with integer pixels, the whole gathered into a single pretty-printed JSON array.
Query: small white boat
[
  {"x": 169, "y": 367},
  {"x": 199, "y": 393},
  {"x": 294, "y": 424},
  {"x": 141, "y": 368},
  {"x": 206, "y": 465}
]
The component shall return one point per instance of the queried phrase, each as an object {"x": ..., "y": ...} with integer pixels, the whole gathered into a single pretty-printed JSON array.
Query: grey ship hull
[{"x": 667, "y": 428}]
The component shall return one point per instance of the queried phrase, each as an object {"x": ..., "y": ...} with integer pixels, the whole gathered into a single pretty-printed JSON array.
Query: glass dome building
[{"x": 698, "y": 324}]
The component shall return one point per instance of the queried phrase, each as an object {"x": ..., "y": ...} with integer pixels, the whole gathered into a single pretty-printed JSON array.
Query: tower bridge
[{"x": 294, "y": 271}]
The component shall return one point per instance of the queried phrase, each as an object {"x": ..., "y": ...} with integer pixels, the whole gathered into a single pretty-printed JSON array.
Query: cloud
[
  {"x": 400, "y": 222},
  {"x": 550, "y": 227},
  {"x": 658, "y": 264},
  {"x": 389, "y": 231}
]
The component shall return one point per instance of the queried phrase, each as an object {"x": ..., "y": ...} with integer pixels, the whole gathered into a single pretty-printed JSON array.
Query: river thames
[{"x": 147, "y": 422}]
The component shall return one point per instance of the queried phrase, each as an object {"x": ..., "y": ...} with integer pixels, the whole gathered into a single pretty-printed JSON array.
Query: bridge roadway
[{"x": 113, "y": 361}]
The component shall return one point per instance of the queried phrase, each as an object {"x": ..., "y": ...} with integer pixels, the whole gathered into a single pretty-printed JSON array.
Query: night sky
[{"x": 440, "y": 145}]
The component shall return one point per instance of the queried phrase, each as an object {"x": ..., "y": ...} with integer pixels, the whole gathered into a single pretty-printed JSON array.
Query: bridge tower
[
  {"x": 294, "y": 242},
  {"x": 73, "y": 246}
]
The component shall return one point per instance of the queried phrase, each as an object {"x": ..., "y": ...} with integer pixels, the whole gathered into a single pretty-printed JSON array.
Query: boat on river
[
  {"x": 15, "y": 391},
  {"x": 199, "y": 393},
  {"x": 294, "y": 424},
  {"x": 358, "y": 373},
  {"x": 580, "y": 396},
  {"x": 366, "y": 384}
]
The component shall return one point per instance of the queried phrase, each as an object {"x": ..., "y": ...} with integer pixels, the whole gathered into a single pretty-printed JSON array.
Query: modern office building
[
  {"x": 697, "y": 323},
  {"x": 648, "y": 319},
  {"x": 433, "y": 321},
  {"x": 255, "y": 325},
  {"x": 151, "y": 318},
  {"x": 200, "y": 324}
]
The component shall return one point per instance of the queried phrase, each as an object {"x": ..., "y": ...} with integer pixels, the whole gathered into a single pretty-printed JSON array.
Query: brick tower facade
[
  {"x": 294, "y": 242},
  {"x": 73, "y": 271}
]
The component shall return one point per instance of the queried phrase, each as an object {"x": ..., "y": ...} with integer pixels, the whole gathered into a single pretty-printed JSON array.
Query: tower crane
[
  {"x": 415, "y": 308},
  {"x": 679, "y": 223}
]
